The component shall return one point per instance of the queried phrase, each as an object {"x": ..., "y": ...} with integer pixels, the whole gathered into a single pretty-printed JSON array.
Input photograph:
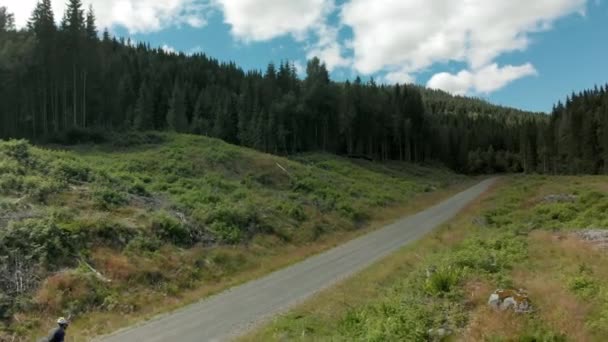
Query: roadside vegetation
[
  {"x": 127, "y": 228},
  {"x": 545, "y": 235}
]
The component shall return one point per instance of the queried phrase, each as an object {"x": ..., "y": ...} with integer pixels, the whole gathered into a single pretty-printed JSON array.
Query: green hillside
[{"x": 113, "y": 229}]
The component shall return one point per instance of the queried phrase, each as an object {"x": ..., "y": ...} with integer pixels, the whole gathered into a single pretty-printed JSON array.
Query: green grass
[
  {"x": 163, "y": 214},
  {"x": 517, "y": 237}
]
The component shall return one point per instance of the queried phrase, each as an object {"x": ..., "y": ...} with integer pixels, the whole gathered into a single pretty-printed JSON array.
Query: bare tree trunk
[
  {"x": 84, "y": 100},
  {"x": 74, "y": 97},
  {"x": 65, "y": 103},
  {"x": 46, "y": 110}
]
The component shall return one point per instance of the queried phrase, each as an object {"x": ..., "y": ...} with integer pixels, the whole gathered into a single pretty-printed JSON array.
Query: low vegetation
[
  {"x": 110, "y": 229},
  {"x": 526, "y": 234}
]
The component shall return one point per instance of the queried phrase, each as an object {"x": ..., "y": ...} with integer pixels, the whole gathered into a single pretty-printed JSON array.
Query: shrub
[
  {"x": 16, "y": 149},
  {"x": 132, "y": 138},
  {"x": 40, "y": 188},
  {"x": 108, "y": 199},
  {"x": 232, "y": 224},
  {"x": 226, "y": 233},
  {"x": 71, "y": 291},
  {"x": 144, "y": 243},
  {"x": 70, "y": 171},
  {"x": 442, "y": 280},
  {"x": 168, "y": 228},
  {"x": 40, "y": 240}
]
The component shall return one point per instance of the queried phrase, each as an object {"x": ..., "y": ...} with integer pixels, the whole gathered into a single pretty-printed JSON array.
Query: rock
[
  {"x": 560, "y": 198},
  {"x": 481, "y": 221},
  {"x": 503, "y": 300},
  {"x": 438, "y": 334},
  {"x": 598, "y": 237}
]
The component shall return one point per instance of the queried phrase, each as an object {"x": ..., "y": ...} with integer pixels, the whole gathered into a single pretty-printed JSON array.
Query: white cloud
[
  {"x": 412, "y": 35},
  {"x": 137, "y": 16},
  {"x": 168, "y": 49},
  {"x": 484, "y": 80},
  {"x": 258, "y": 20},
  {"x": 305, "y": 20},
  {"x": 300, "y": 68},
  {"x": 399, "y": 76},
  {"x": 327, "y": 48}
]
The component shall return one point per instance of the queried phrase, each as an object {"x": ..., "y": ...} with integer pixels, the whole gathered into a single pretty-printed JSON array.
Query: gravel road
[{"x": 220, "y": 317}]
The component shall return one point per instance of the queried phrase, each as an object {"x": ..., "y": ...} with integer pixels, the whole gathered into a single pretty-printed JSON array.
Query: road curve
[{"x": 219, "y": 317}]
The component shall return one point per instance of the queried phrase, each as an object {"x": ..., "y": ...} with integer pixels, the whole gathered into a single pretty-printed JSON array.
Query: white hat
[{"x": 62, "y": 321}]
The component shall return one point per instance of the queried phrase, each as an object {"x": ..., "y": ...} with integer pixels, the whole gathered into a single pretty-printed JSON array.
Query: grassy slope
[
  {"x": 513, "y": 238},
  {"x": 171, "y": 220}
]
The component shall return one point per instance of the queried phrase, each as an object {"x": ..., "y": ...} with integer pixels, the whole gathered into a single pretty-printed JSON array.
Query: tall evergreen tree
[
  {"x": 90, "y": 27},
  {"x": 144, "y": 109},
  {"x": 176, "y": 116},
  {"x": 7, "y": 20}
]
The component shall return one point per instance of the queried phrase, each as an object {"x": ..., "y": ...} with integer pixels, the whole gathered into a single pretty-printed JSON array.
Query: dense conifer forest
[{"x": 68, "y": 83}]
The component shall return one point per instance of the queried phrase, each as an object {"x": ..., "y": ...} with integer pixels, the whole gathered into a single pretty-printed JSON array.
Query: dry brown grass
[{"x": 554, "y": 258}]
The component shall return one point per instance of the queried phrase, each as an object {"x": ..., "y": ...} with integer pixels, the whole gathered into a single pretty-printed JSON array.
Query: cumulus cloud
[
  {"x": 399, "y": 76},
  {"x": 327, "y": 47},
  {"x": 418, "y": 33},
  {"x": 483, "y": 80},
  {"x": 168, "y": 49},
  {"x": 258, "y": 20},
  {"x": 137, "y": 16},
  {"x": 305, "y": 20},
  {"x": 413, "y": 35}
]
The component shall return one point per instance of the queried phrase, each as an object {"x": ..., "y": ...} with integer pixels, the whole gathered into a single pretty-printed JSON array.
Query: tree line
[{"x": 58, "y": 78}]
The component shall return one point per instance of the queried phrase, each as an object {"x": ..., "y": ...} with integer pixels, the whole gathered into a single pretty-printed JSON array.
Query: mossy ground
[
  {"x": 516, "y": 236},
  {"x": 166, "y": 219}
]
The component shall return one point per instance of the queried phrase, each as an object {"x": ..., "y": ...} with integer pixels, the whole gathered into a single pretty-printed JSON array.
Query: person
[{"x": 58, "y": 334}]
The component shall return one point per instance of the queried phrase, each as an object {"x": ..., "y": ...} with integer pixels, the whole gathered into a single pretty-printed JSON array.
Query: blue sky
[{"x": 520, "y": 53}]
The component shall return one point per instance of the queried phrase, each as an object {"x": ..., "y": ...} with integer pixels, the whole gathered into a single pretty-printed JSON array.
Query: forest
[{"x": 68, "y": 83}]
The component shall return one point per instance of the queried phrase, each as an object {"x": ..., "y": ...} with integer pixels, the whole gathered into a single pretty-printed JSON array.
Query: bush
[
  {"x": 16, "y": 149},
  {"x": 132, "y": 138},
  {"x": 226, "y": 233},
  {"x": 40, "y": 240},
  {"x": 70, "y": 171},
  {"x": 442, "y": 280},
  {"x": 232, "y": 224},
  {"x": 168, "y": 228},
  {"x": 72, "y": 291},
  {"x": 108, "y": 199}
]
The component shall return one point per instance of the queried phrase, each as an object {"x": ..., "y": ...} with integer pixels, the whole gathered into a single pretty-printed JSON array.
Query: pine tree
[
  {"x": 73, "y": 21},
  {"x": 176, "y": 116},
  {"x": 143, "y": 112},
  {"x": 106, "y": 36},
  {"x": 7, "y": 20},
  {"x": 42, "y": 21},
  {"x": 91, "y": 28}
]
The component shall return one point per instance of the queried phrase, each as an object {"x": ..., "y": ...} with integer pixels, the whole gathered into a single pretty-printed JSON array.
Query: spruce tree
[
  {"x": 143, "y": 112},
  {"x": 7, "y": 20},
  {"x": 73, "y": 21},
  {"x": 91, "y": 28},
  {"x": 176, "y": 116}
]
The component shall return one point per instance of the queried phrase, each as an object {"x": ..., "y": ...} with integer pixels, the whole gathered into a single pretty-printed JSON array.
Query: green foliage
[
  {"x": 443, "y": 280},
  {"x": 108, "y": 199},
  {"x": 16, "y": 149},
  {"x": 40, "y": 240},
  {"x": 169, "y": 229}
]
